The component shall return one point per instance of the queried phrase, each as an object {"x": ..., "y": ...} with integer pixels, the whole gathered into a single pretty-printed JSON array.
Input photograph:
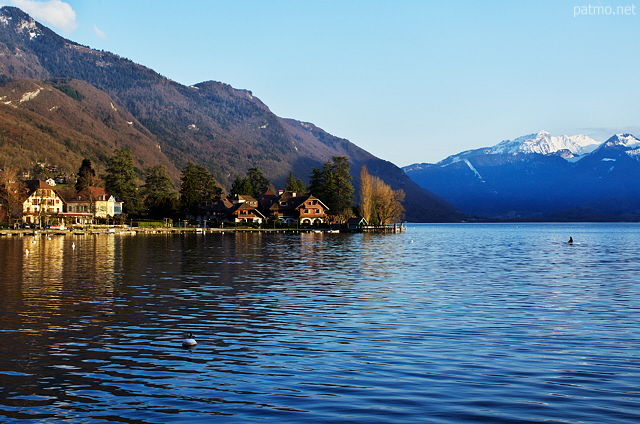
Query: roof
[
  {"x": 244, "y": 206},
  {"x": 34, "y": 185},
  {"x": 90, "y": 193}
]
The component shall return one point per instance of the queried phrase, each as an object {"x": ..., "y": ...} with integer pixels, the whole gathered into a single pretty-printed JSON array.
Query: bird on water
[
  {"x": 570, "y": 240},
  {"x": 189, "y": 341}
]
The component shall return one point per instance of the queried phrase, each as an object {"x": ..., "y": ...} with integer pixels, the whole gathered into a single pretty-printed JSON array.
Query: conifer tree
[
  {"x": 295, "y": 184},
  {"x": 332, "y": 185},
  {"x": 198, "y": 188},
  {"x": 121, "y": 181},
  {"x": 159, "y": 195},
  {"x": 241, "y": 186},
  {"x": 86, "y": 175},
  {"x": 259, "y": 183}
]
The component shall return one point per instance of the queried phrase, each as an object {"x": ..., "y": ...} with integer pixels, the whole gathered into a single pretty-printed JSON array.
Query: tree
[
  {"x": 379, "y": 203},
  {"x": 241, "y": 186},
  {"x": 332, "y": 184},
  {"x": 366, "y": 208},
  {"x": 198, "y": 188},
  {"x": 12, "y": 192},
  {"x": 295, "y": 184},
  {"x": 86, "y": 175},
  {"x": 259, "y": 183},
  {"x": 160, "y": 198},
  {"x": 120, "y": 181}
]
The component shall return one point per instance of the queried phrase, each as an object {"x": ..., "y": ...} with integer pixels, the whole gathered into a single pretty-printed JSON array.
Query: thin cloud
[
  {"x": 50, "y": 12},
  {"x": 603, "y": 133},
  {"x": 100, "y": 33}
]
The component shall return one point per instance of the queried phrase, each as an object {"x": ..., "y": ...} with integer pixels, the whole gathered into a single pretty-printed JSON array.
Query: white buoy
[{"x": 189, "y": 341}]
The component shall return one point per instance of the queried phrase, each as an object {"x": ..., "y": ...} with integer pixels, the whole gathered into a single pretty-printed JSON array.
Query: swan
[
  {"x": 189, "y": 341},
  {"x": 73, "y": 245}
]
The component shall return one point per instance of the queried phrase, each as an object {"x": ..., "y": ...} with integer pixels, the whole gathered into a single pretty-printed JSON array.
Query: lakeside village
[{"x": 45, "y": 206}]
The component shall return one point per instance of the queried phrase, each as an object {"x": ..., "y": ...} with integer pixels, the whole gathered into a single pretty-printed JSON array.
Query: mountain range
[
  {"x": 61, "y": 102},
  {"x": 541, "y": 177}
]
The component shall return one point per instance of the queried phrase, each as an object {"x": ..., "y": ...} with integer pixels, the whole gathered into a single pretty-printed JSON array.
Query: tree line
[{"x": 157, "y": 197}]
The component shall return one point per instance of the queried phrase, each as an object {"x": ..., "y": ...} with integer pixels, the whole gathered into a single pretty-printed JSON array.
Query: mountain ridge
[
  {"x": 586, "y": 181},
  {"x": 228, "y": 130}
]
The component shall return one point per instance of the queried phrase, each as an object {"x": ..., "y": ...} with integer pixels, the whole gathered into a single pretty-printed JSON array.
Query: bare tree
[
  {"x": 379, "y": 203},
  {"x": 12, "y": 192}
]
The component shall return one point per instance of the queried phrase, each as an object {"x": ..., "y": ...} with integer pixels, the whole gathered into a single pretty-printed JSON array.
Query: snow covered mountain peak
[
  {"x": 626, "y": 140},
  {"x": 544, "y": 143},
  {"x": 571, "y": 148}
]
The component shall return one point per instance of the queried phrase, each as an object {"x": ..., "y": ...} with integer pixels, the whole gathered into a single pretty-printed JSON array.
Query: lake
[{"x": 460, "y": 323}]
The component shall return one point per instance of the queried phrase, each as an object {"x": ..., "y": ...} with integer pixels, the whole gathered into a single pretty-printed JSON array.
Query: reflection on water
[{"x": 442, "y": 324}]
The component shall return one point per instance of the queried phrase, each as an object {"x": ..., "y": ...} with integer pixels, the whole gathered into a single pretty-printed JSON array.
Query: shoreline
[
  {"x": 136, "y": 231},
  {"x": 104, "y": 230}
]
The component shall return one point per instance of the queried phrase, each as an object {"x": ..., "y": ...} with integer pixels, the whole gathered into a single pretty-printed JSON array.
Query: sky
[{"x": 410, "y": 81}]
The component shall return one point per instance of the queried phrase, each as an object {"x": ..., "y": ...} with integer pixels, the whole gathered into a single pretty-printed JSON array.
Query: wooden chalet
[
  {"x": 288, "y": 207},
  {"x": 291, "y": 207}
]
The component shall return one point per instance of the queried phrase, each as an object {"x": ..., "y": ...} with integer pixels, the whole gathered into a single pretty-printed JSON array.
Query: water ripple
[{"x": 441, "y": 324}]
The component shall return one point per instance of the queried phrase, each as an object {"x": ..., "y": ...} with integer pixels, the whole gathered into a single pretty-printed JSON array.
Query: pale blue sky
[{"x": 410, "y": 81}]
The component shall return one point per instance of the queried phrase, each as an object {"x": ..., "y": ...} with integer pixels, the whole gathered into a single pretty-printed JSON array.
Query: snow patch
[
  {"x": 475, "y": 171},
  {"x": 30, "y": 28},
  {"x": 130, "y": 122},
  {"x": 113, "y": 107},
  {"x": 53, "y": 109},
  {"x": 193, "y": 127},
  {"x": 264, "y": 126},
  {"x": 30, "y": 95},
  {"x": 608, "y": 160}
]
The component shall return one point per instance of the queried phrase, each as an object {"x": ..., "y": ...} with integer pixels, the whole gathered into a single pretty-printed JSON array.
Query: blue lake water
[{"x": 497, "y": 323}]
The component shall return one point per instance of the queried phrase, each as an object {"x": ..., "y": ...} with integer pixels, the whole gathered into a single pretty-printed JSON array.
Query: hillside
[
  {"x": 64, "y": 121},
  {"x": 226, "y": 129}
]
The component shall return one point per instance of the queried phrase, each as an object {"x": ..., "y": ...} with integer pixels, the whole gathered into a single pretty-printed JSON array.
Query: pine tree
[
  {"x": 259, "y": 183},
  {"x": 241, "y": 186},
  {"x": 121, "y": 181},
  {"x": 332, "y": 185},
  {"x": 159, "y": 195},
  {"x": 295, "y": 184},
  {"x": 198, "y": 188},
  {"x": 86, "y": 175}
]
